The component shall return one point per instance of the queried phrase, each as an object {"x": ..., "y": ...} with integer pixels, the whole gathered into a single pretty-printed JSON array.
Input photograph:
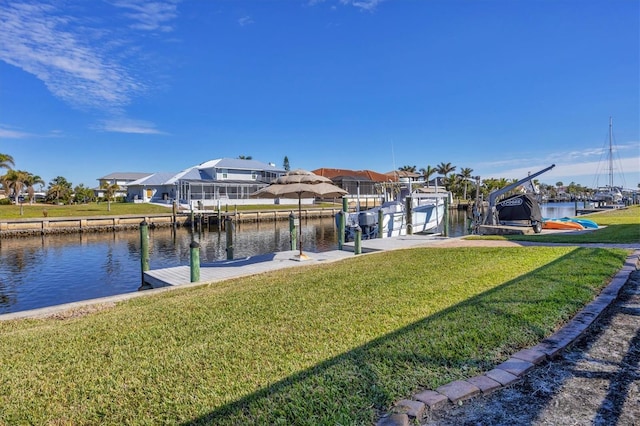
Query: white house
[
  {"x": 122, "y": 179},
  {"x": 222, "y": 181}
]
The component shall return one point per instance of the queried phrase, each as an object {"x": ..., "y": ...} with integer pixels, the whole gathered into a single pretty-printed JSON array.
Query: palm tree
[
  {"x": 411, "y": 169},
  {"x": 453, "y": 182},
  {"x": 82, "y": 194},
  {"x": 285, "y": 163},
  {"x": 59, "y": 188},
  {"x": 444, "y": 169},
  {"x": 427, "y": 173},
  {"x": 6, "y": 161},
  {"x": 244, "y": 157},
  {"x": 30, "y": 182},
  {"x": 466, "y": 175},
  {"x": 110, "y": 190},
  {"x": 14, "y": 181}
]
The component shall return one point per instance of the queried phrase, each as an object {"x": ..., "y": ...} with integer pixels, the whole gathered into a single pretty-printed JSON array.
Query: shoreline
[{"x": 202, "y": 219}]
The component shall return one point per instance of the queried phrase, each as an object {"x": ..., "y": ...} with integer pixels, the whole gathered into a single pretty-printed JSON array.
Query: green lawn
[
  {"x": 91, "y": 209},
  {"x": 117, "y": 209},
  {"x": 620, "y": 226},
  {"x": 320, "y": 344}
]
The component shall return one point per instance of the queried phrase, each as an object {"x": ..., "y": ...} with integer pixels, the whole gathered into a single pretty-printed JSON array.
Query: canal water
[{"x": 37, "y": 272}]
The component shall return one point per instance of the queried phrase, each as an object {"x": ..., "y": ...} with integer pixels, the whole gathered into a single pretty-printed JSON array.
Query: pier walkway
[{"x": 227, "y": 269}]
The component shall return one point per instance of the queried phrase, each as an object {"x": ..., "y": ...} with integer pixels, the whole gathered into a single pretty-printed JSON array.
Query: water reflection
[{"x": 43, "y": 271}]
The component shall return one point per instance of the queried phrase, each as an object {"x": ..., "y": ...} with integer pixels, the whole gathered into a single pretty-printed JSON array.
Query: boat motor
[{"x": 368, "y": 222}]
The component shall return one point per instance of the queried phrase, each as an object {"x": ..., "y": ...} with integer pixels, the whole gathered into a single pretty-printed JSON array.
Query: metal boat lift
[{"x": 491, "y": 218}]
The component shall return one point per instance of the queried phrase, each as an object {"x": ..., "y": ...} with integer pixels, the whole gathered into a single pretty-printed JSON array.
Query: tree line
[
  {"x": 59, "y": 190},
  {"x": 463, "y": 185}
]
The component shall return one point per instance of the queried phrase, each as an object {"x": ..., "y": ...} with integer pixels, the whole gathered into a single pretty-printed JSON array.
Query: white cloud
[
  {"x": 80, "y": 62},
  {"x": 126, "y": 125},
  {"x": 6, "y": 133},
  {"x": 149, "y": 16},
  {"x": 245, "y": 20},
  {"x": 368, "y": 5}
]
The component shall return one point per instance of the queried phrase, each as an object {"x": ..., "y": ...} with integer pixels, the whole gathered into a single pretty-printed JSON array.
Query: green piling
[
  {"x": 194, "y": 263},
  {"x": 341, "y": 229},
  {"x": 228, "y": 226},
  {"x": 357, "y": 245},
  {"x": 293, "y": 236}
]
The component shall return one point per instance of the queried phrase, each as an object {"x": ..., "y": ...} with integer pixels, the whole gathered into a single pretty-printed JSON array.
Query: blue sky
[{"x": 91, "y": 87}]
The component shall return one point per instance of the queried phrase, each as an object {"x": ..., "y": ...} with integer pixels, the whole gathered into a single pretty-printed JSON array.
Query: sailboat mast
[{"x": 610, "y": 153}]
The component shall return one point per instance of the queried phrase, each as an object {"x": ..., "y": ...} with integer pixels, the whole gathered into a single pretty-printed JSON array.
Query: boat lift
[{"x": 491, "y": 218}]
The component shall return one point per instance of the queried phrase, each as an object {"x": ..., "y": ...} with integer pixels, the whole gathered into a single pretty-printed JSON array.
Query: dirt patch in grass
[
  {"x": 594, "y": 382},
  {"x": 81, "y": 311}
]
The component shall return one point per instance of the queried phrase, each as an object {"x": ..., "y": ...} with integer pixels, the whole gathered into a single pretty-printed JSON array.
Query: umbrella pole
[{"x": 300, "y": 222}]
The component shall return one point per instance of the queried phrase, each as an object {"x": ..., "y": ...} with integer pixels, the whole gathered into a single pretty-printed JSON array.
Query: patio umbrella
[{"x": 302, "y": 184}]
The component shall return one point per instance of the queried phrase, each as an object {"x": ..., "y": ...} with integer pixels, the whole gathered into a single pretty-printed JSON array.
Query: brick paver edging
[{"x": 515, "y": 367}]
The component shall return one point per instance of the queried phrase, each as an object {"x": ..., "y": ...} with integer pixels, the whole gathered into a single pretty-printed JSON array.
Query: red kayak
[{"x": 558, "y": 224}]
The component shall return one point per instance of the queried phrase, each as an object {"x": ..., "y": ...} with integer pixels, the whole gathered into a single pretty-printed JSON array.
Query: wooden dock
[{"x": 228, "y": 269}]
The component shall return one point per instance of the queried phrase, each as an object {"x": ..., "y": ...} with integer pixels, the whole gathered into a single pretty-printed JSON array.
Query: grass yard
[
  {"x": 117, "y": 209},
  {"x": 37, "y": 211},
  {"x": 320, "y": 344},
  {"x": 621, "y": 226}
]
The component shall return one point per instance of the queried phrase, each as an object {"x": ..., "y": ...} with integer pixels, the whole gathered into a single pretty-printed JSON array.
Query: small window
[
  {"x": 225, "y": 173},
  {"x": 254, "y": 175}
]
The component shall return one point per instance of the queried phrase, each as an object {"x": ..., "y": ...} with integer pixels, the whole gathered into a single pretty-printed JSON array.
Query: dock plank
[{"x": 227, "y": 269}]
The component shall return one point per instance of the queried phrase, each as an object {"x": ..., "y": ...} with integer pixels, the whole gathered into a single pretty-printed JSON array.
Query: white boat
[
  {"x": 608, "y": 194},
  {"x": 427, "y": 212}
]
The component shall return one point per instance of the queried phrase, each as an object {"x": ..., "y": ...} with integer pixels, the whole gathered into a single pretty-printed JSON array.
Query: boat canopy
[{"x": 519, "y": 207}]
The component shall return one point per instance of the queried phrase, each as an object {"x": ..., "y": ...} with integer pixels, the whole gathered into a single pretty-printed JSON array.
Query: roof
[
  {"x": 154, "y": 179},
  {"x": 125, "y": 176},
  {"x": 403, "y": 174},
  {"x": 238, "y": 164},
  {"x": 200, "y": 172},
  {"x": 363, "y": 174}
]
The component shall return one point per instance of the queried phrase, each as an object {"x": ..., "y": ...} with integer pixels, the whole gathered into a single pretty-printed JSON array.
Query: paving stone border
[{"x": 409, "y": 410}]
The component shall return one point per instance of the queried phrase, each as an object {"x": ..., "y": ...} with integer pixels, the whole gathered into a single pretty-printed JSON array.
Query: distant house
[
  {"x": 224, "y": 181},
  {"x": 363, "y": 184},
  {"x": 355, "y": 181},
  {"x": 122, "y": 179},
  {"x": 397, "y": 175}
]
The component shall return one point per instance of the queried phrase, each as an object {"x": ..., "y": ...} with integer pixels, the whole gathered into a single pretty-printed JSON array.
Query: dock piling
[
  {"x": 228, "y": 226},
  {"x": 292, "y": 231},
  {"x": 409, "y": 210},
  {"x": 445, "y": 219},
  {"x": 341, "y": 225},
  {"x": 194, "y": 262},
  {"x": 144, "y": 250}
]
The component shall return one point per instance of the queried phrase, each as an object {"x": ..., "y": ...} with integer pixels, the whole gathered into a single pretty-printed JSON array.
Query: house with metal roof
[
  {"x": 216, "y": 182},
  {"x": 122, "y": 179}
]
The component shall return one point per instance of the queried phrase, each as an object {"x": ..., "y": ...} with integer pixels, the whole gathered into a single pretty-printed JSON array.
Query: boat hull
[
  {"x": 563, "y": 225},
  {"x": 427, "y": 216}
]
